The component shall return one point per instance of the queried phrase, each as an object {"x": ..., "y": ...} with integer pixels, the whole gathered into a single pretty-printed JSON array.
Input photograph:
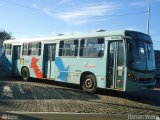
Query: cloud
[
  {"x": 139, "y": 4},
  {"x": 97, "y": 10},
  {"x": 48, "y": 12},
  {"x": 80, "y": 22},
  {"x": 88, "y": 13},
  {"x": 34, "y": 5}
]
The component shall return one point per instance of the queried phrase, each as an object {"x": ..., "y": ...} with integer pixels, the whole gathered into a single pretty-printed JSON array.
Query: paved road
[
  {"x": 48, "y": 96},
  {"x": 60, "y": 116}
]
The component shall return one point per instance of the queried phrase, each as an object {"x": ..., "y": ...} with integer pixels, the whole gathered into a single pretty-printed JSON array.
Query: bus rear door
[
  {"x": 115, "y": 73},
  {"x": 49, "y": 60},
  {"x": 15, "y": 58}
]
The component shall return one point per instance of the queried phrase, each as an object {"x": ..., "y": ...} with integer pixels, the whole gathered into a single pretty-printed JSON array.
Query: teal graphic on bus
[{"x": 119, "y": 60}]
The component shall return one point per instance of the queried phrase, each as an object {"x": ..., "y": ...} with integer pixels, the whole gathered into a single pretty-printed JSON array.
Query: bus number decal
[
  {"x": 63, "y": 71},
  {"x": 36, "y": 68}
]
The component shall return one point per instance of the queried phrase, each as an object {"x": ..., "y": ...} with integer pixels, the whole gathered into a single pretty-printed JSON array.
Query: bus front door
[
  {"x": 49, "y": 60},
  {"x": 15, "y": 59},
  {"x": 115, "y": 73}
]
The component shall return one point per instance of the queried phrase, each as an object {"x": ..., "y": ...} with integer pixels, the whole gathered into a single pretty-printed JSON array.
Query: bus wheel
[
  {"x": 25, "y": 74},
  {"x": 89, "y": 83}
]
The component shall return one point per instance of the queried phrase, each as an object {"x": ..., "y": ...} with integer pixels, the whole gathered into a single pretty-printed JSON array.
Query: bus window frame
[
  {"x": 85, "y": 45},
  {"x": 64, "y": 56},
  {"x": 23, "y": 49},
  {"x": 10, "y": 49}
]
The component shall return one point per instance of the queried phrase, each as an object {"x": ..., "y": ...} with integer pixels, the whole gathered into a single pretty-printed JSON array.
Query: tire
[
  {"x": 25, "y": 74},
  {"x": 89, "y": 83}
]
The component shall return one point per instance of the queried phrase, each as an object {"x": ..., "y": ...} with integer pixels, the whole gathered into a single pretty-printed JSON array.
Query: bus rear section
[
  {"x": 11, "y": 58},
  {"x": 140, "y": 62}
]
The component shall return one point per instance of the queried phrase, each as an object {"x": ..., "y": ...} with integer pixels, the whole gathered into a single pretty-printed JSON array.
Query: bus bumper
[{"x": 136, "y": 86}]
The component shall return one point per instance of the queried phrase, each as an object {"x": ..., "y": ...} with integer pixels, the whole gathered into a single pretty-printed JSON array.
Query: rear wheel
[
  {"x": 25, "y": 74},
  {"x": 89, "y": 83}
]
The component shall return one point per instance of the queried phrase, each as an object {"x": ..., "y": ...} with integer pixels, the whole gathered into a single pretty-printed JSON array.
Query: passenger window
[
  {"x": 61, "y": 46},
  {"x": 100, "y": 47},
  {"x": 92, "y": 47},
  {"x": 68, "y": 48},
  {"x": 7, "y": 49},
  {"x": 34, "y": 48},
  {"x": 82, "y": 45},
  {"x": 25, "y": 49}
]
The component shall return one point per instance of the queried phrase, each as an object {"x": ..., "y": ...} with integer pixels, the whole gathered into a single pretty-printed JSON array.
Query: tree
[{"x": 4, "y": 35}]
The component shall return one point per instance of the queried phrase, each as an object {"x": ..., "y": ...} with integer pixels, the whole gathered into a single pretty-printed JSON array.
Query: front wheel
[
  {"x": 25, "y": 74},
  {"x": 89, "y": 84}
]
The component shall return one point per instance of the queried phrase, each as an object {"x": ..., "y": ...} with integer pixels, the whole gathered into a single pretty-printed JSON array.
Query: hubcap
[{"x": 89, "y": 83}]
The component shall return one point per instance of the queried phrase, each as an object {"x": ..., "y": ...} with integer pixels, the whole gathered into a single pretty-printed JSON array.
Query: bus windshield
[{"x": 141, "y": 53}]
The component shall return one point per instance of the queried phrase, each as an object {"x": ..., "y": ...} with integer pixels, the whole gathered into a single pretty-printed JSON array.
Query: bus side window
[
  {"x": 82, "y": 45},
  {"x": 29, "y": 48},
  {"x": 68, "y": 48},
  {"x": 100, "y": 47},
  {"x": 10, "y": 49},
  {"x": 25, "y": 49},
  {"x": 92, "y": 47},
  {"x": 61, "y": 46},
  {"x": 34, "y": 48},
  {"x": 7, "y": 49}
]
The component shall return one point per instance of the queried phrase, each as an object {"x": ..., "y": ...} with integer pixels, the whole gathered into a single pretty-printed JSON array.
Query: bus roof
[{"x": 72, "y": 36}]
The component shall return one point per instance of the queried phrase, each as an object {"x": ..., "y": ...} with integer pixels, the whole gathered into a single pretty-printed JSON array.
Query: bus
[
  {"x": 157, "y": 62},
  {"x": 120, "y": 60}
]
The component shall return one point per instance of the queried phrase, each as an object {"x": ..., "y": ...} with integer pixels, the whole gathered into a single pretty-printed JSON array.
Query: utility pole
[{"x": 148, "y": 19}]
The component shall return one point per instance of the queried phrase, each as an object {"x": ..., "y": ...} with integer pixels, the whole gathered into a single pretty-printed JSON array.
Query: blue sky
[{"x": 41, "y": 18}]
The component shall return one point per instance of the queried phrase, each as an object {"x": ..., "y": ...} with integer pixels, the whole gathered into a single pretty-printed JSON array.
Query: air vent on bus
[
  {"x": 60, "y": 34},
  {"x": 100, "y": 30}
]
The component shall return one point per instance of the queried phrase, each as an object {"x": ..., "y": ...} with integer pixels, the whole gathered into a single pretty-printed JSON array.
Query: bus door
[
  {"x": 49, "y": 60},
  {"x": 16, "y": 58},
  {"x": 115, "y": 73}
]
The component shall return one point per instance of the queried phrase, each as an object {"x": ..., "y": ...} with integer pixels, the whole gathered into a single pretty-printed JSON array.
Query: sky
[{"x": 43, "y": 18}]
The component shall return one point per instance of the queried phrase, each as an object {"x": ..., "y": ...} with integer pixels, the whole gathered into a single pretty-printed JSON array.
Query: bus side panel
[
  {"x": 7, "y": 64},
  {"x": 34, "y": 64},
  {"x": 70, "y": 69}
]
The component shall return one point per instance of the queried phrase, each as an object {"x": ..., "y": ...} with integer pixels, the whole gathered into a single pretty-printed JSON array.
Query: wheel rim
[{"x": 89, "y": 83}]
